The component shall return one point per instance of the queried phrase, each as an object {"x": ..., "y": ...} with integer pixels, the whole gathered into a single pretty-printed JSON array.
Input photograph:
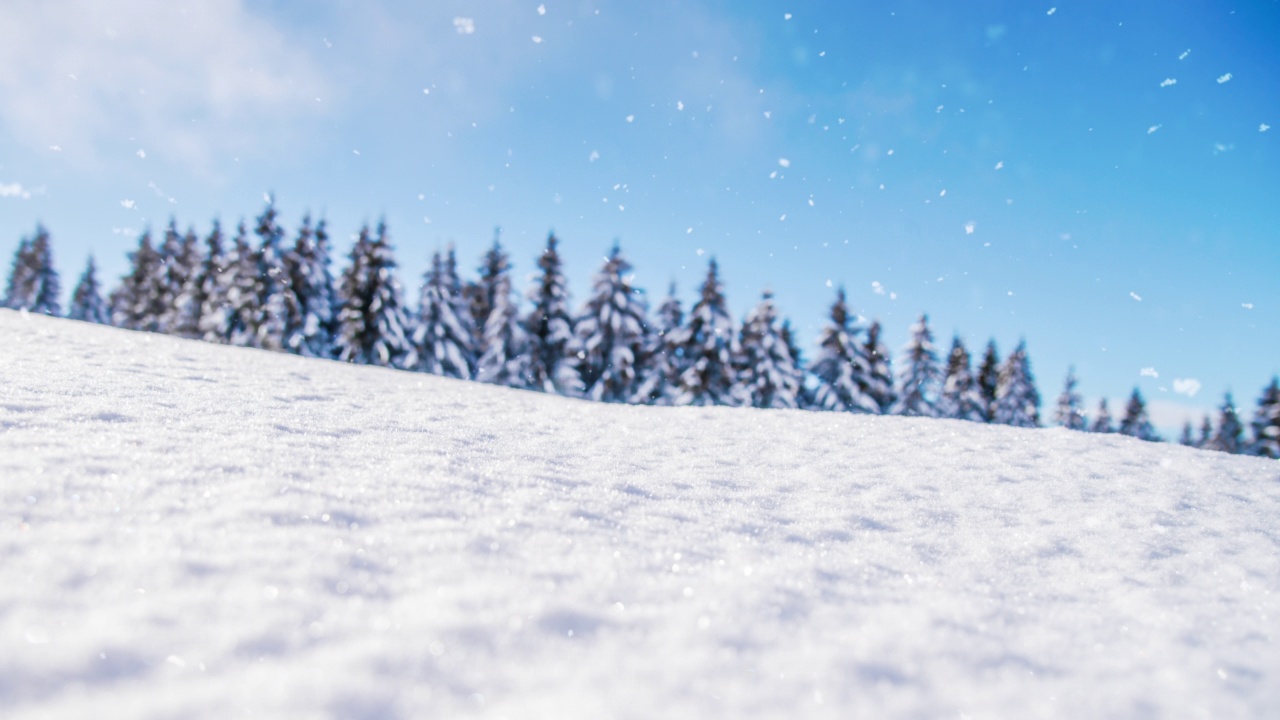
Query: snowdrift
[{"x": 197, "y": 531}]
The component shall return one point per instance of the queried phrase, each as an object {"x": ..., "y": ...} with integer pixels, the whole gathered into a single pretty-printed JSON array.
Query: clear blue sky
[{"x": 1098, "y": 178}]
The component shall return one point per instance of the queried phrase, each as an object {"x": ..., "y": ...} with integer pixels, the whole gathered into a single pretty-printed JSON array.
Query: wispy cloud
[
  {"x": 189, "y": 79},
  {"x": 14, "y": 190}
]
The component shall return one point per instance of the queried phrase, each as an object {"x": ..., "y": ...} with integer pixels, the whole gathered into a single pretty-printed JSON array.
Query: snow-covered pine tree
[
  {"x": 138, "y": 303},
  {"x": 506, "y": 345},
  {"x": 269, "y": 327},
  {"x": 443, "y": 336},
  {"x": 1136, "y": 422},
  {"x": 1017, "y": 400},
  {"x": 1266, "y": 422},
  {"x": 841, "y": 368},
  {"x": 660, "y": 362},
  {"x": 549, "y": 325},
  {"x": 480, "y": 294},
  {"x": 961, "y": 397},
  {"x": 804, "y": 398},
  {"x": 86, "y": 300},
  {"x": 187, "y": 288},
  {"x": 1206, "y": 433},
  {"x": 1102, "y": 419},
  {"x": 766, "y": 368},
  {"x": 706, "y": 344},
  {"x": 1230, "y": 435},
  {"x": 1070, "y": 411},
  {"x": 919, "y": 379},
  {"x": 309, "y": 296},
  {"x": 989, "y": 379},
  {"x": 880, "y": 374},
  {"x": 33, "y": 282},
  {"x": 241, "y": 283},
  {"x": 212, "y": 283},
  {"x": 1188, "y": 437},
  {"x": 610, "y": 333},
  {"x": 372, "y": 324}
]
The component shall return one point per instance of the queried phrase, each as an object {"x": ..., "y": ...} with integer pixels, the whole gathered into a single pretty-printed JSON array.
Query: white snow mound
[{"x": 197, "y": 531}]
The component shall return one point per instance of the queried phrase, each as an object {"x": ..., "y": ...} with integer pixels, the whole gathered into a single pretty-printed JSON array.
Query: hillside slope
[{"x": 190, "y": 530}]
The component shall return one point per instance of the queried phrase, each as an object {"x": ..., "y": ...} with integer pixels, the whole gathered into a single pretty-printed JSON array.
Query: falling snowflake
[
  {"x": 537, "y": 39},
  {"x": 126, "y": 204},
  {"x": 1264, "y": 127},
  {"x": 1168, "y": 81},
  {"x": 1000, "y": 165},
  {"x": 142, "y": 154},
  {"x": 1149, "y": 372},
  {"x": 1224, "y": 78},
  {"x": 969, "y": 227},
  {"x": 1135, "y": 296},
  {"x": 464, "y": 26},
  {"x": 1184, "y": 54},
  {"x": 1153, "y": 128},
  {"x": 1186, "y": 386},
  {"x": 784, "y": 162},
  {"x": 1052, "y": 10},
  {"x": 542, "y": 9}
]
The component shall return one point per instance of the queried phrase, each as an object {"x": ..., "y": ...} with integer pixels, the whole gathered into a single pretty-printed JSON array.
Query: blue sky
[{"x": 1097, "y": 178}]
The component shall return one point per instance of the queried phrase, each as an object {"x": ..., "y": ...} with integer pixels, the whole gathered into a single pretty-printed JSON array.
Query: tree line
[{"x": 255, "y": 289}]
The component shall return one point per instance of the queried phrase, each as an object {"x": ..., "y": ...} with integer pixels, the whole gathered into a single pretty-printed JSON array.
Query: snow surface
[{"x": 198, "y": 531}]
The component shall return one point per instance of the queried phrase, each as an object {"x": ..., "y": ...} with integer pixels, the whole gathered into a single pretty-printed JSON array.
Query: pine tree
[
  {"x": 841, "y": 367},
  {"x": 1188, "y": 437},
  {"x": 1266, "y": 422},
  {"x": 549, "y": 325},
  {"x": 241, "y": 285},
  {"x": 187, "y": 286},
  {"x": 1136, "y": 422},
  {"x": 880, "y": 374},
  {"x": 660, "y": 365},
  {"x": 1230, "y": 435},
  {"x": 86, "y": 300},
  {"x": 480, "y": 294},
  {"x": 765, "y": 366},
  {"x": 989, "y": 379},
  {"x": 506, "y": 356},
  {"x": 1206, "y": 433},
  {"x": 1102, "y": 420},
  {"x": 706, "y": 346},
  {"x": 920, "y": 379},
  {"x": 309, "y": 295},
  {"x": 611, "y": 333},
  {"x": 33, "y": 282},
  {"x": 961, "y": 396},
  {"x": 212, "y": 282},
  {"x": 1017, "y": 400},
  {"x": 442, "y": 336},
  {"x": 1070, "y": 411},
  {"x": 269, "y": 326},
  {"x": 372, "y": 321},
  {"x": 138, "y": 303}
]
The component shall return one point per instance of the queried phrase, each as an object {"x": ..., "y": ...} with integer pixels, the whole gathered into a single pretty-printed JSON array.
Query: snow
[{"x": 199, "y": 531}]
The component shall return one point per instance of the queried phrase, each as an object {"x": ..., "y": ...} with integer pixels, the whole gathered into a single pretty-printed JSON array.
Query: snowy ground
[{"x": 188, "y": 530}]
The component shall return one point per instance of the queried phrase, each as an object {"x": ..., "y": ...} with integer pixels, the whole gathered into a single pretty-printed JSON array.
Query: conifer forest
[{"x": 255, "y": 286}]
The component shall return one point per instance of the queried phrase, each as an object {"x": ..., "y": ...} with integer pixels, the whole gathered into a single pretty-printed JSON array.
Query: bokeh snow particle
[
  {"x": 876, "y": 287},
  {"x": 1168, "y": 81},
  {"x": 1000, "y": 165},
  {"x": 142, "y": 154},
  {"x": 537, "y": 39},
  {"x": 1152, "y": 129},
  {"x": 784, "y": 162},
  {"x": 1224, "y": 78},
  {"x": 1149, "y": 372},
  {"x": 969, "y": 227},
  {"x": 594, "y": 156},
  {"x": 1135, "y": 296},
  {"x": 1052, "y": 10},
  {"x": 464, "y": 26},
  {"x": 14, "y": 190},
  {"x": 126, "y": 204},
  {"x": 1186, "y": 386},
  {"x": 1247, "y": 306},
  {"x": 631, "y": 118},
  {"x": 1184, "y": 54},
  {"x": 542, "y": 9},
  {"x": 1263, "y": 127}
]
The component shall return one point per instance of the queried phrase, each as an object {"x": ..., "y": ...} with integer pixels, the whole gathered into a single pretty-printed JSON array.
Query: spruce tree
[
  {"x": 989, "y": 379},
  {"x": 919, "y": 379},
  {"x": 372, "y": 321},
  {"x": 86, "y": 300},
  {"x": 187, "y": 285},
  {"x": 880, "y": 374},
  {"x": 241, "y": 283},
  {"x": 1070, "y": 411},
  {"x": 610, "y": 333},
  {"x": 841, "y": 368},
  {"x": 309, "y": 300},
  {"x": 1017, "y": 400},
  {"x": 660, "y": 365},
  {"x": 480, "y": 294},
  {"x": 443, "y": 336},
  {"x": 766, "y": 367},
  {"x": 549, "y": 325},
  {"x": 268, "y": 328},
  {"x": 1136, "y": 422},
  {"x": 1102, "y": 419},
  {"x": 33, "y": 282},
  {"x": 961, "y": 396},
  {"x": 1230, "y": 435},
  {"x": 706, "y": 346},
  {"x": 1266, "y": 422},
  {"x": 1188, "y": 437},
  {"x": 138, "y": 303},
  {"x": 506, "y": 345},
  {"x": 212, "y": 283},
  {"x": 1206, "y": 433}
]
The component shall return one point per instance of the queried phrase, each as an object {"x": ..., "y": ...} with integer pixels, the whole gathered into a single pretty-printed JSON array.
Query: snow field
[{"x": 192, "y": 530}]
